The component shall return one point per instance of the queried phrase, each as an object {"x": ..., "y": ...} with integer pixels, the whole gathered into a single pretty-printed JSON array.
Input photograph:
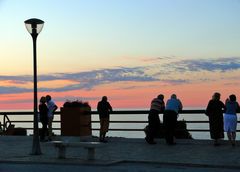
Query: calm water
[{"x": 136, "y": 117}]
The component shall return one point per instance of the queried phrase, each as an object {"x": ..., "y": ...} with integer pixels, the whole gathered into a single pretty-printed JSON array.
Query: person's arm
[
  {"x": 55, "y": 107},
  {"x": 224, "y": 107},
  {"x": 180, "y": 105},
  {"x": 208, "y": 111},
  {"x": 98, "y": 107},
  {"x": 110, "y": 107},
  {"x": 163, "y": 107},
  {"x": 238, "y": 108}
]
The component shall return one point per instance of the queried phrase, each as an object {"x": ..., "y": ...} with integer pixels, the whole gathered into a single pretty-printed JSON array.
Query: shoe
[
  {"x": 104, "y": 141},
  {"x": 151, "y": 142},
  {"x": 172, "y": 143}
]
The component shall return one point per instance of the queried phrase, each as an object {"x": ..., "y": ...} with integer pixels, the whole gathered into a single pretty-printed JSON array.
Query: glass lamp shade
[{"x": 34, "y": 26}]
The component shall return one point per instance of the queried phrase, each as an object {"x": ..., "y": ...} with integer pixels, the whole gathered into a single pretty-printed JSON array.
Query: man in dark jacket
[{"x": 104, "y": 108}]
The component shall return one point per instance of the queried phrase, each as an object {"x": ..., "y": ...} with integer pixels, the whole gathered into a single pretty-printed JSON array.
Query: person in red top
[
  {"x": 157, "y": 106},
  {"x": 104, "y": 108}
]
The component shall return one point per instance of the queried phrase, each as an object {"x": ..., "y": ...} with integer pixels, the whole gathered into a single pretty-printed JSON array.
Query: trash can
[{"x": 76, "y": 121}]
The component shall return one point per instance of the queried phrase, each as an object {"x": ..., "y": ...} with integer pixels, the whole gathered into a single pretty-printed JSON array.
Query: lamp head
[{"x": 34, "y": 26}]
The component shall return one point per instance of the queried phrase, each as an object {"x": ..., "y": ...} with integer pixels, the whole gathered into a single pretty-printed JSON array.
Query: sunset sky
[{"x": 128, "y": 50}]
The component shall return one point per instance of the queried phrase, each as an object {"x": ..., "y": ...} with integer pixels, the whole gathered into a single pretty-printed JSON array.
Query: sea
[{"x": 125, "y": 117}]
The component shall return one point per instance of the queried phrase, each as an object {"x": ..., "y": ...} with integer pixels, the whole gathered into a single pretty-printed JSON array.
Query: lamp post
[{"x": 34, "y": 27}]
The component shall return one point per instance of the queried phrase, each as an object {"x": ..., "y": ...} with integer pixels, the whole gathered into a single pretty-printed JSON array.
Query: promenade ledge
[{"x": 188, "y": 153}]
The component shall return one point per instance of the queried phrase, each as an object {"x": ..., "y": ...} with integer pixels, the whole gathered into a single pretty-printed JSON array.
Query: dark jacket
[
  {"x": 43, "y": 113},
  {"x": 104, "y": 108}
]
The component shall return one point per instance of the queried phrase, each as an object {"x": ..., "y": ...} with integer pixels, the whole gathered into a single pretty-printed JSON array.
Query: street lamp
[{"x": 34, "y": 27}]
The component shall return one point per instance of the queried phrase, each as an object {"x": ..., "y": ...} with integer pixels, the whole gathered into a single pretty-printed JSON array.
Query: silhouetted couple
[
  {"x": 46, "y": 116},
  {"x": 217, "y": 123},
  {"x": 170, "y": 114}
]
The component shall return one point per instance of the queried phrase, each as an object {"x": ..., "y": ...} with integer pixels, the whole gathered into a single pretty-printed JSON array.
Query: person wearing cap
[
  {"x": 157, "y": 106},
  {"x": 173, "y": 106}
]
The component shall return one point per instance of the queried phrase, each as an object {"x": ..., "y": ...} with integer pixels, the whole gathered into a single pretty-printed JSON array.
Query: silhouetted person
[
  {"x": 52, "y": 107},
  {"x": 214, "y": 112},
  {"x": 104, "y": 108},
  {"x": 157, "y": 106},
  {"x": 43, "y": 110},
  {"x": 173, "y": 106},
  {"x": 230, "y": 118}
]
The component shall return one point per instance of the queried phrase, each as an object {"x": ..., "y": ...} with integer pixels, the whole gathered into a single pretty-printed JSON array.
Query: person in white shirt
[{"x": 52, "y": 107}]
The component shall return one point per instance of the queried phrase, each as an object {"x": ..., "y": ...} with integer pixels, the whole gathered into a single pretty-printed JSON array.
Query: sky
[{"x": 128, "y": 50}]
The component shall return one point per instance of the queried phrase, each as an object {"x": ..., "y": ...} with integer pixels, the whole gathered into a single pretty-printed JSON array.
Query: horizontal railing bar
[
  {"x": 132, "y": 129},
  {"x": 113, "y": 112},
  {"x": 120, "y": 112},
  {"x": 119, "y": 129},
  {"x": 127, "y": 122}
]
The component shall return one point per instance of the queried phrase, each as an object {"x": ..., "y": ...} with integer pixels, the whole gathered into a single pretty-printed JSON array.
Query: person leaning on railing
[
  {"x": 214, "y": 112},
  {"x": 173, "y": 106},
  {"x": 104, "y": 108},
  {"x": 157, "y": 106},
  {"x": 52, "y": 107},
  {"x": 230, "y": 118}
]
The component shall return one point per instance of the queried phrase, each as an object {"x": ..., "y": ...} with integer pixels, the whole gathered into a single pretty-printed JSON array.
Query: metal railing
[{"x": 7, "y": 119}]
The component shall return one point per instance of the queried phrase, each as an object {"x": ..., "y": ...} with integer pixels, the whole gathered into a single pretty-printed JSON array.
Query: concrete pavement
[{"x": 187, "y": 153}]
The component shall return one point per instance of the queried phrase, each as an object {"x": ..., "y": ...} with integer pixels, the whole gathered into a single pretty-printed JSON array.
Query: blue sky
[{"x": 92, "y": 44}]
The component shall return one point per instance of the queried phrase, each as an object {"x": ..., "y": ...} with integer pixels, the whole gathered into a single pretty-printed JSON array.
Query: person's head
[
  {"x": 48, "y": 98},
  {"x": 173, "y": 96},
  {"x": 104, "y": 98},
  {"x": 43, "y": 100},
  {"x": 160, "y": 96},
  {"x": 216, "y": 96},
  {"x": 232, "y": 98}
]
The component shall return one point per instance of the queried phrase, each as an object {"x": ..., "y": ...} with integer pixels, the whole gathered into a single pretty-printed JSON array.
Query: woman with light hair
[
  {"x": 214, "y": 112},
  {"x": 230, "y": 118}
]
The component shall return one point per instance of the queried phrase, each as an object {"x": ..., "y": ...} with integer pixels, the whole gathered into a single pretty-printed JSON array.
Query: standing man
[
  {"x": 43, "y": 110},
  {"x": 104, "y": 108},
  {"x": 170, "y": 115},
  {"x": 52, "y": 107},
  {"x": 157, "y": 106}
]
